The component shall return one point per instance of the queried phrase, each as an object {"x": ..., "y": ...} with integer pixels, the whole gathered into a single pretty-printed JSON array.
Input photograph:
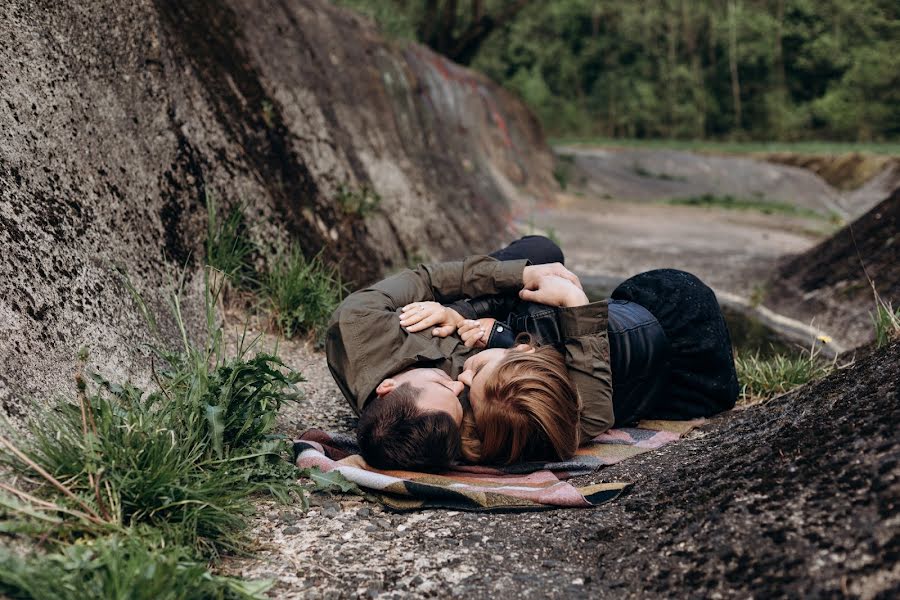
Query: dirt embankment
[
  {"x": 843, "y": 171},
  {"x": 118, "y": 118},
  {"x": 830, "y": 282}
]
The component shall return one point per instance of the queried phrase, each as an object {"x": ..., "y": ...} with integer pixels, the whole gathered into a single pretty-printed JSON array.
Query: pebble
[{"x": 291, "y": 530}]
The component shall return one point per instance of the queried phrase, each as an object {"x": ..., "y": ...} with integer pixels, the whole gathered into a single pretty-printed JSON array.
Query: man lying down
[{"x": 502, "y": 358}]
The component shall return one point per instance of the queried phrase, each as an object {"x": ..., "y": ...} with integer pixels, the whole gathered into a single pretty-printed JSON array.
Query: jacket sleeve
[
  {"x": 585, "y": 347},
  {"x": 364, "y": 342}
]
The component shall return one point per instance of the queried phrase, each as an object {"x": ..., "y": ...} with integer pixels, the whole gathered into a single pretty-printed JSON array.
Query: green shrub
[
  {"x": 228, "y": 246},
  {"x": 302, "y": 293}
]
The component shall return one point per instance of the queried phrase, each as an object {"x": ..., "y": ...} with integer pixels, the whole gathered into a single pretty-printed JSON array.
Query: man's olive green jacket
[{"x": 365, "y": 343}]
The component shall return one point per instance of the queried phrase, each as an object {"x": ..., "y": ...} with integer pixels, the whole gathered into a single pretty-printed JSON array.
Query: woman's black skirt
[{"x": 703, "y": 380}]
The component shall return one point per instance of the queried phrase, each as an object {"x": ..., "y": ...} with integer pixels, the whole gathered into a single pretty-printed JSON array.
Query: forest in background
[{"x": 783, "y": 70}]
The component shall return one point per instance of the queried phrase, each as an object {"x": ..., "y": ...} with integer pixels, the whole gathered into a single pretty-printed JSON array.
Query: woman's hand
[
  {"x": 419, "y": 316},
  {"x": 475, "y": 334},
  {"x": 554, "y": 291}
]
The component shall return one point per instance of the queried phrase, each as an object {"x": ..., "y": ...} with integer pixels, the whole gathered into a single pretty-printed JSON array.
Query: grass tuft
[
  {"x": 228, "y": 246},
  {"x": 118, "y": 566},
  {"x": 762, "y": 378},
  {"x": 886, "y": 321},
  {"x": 302, "y": 293},
  {"x": 149, "y": 481},
  {"x": 768, "y": 207},
  {"x": 361, "y": 201}
]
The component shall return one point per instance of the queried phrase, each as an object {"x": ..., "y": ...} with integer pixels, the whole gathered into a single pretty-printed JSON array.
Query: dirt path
[{"x": 730, "y": 250}]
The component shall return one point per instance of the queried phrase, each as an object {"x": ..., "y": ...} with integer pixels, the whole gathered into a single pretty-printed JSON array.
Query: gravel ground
[{"x": 797, "y": 497}]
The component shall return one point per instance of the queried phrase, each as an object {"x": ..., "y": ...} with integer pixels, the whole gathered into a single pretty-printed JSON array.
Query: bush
[{"x": 302, "y": 293}]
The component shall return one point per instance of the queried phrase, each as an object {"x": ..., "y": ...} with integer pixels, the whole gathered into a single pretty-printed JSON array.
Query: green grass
[
  {"x": 120, "y": 567},
  {"x": 813, "y": 147},
  {"x": 762, "y": 378},
  {"x": 228, "y": 246},
  {"x": 361, "y": 201},
  {"x": 302, "y": 294},
  {"x": 886, "y": 321},
  {"x": 643, "y": 172},
  {"x": 145, "y": 481},
  {"x": 762, "y": 205}
]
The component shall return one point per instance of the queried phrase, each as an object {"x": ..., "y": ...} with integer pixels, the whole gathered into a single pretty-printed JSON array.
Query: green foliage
[
  {"x": 149, "y": 485},
  {"x": 641, "y": 171},
  {"x": 228, "y": 246},
  {"x": 360, "y": 201},
  {"x": 762, "y": 378},
  {"x": 562, "y": 169},
  {"x": 302, "y": 293},
  {"x": 886, "y": 321},
  {"x": 717, "y": 147},
  {"x": 118, "y": 567},
  {"x": 768, "y": 207},
  {"x": 742, "y": 69},
  {"x": 394, "y": 23}
]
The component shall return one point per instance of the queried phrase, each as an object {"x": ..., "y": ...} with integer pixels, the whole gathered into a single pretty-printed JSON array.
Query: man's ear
[
  {"x": 526, "y": 348},
  {"x": 385, "y": 387}
]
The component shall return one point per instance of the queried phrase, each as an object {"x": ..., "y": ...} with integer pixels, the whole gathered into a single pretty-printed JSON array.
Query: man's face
[{"x": 439, "y": 391}]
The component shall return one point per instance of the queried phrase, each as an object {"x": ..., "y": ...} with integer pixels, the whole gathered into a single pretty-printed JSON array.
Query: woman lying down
[{"x": 503, "y": 358}]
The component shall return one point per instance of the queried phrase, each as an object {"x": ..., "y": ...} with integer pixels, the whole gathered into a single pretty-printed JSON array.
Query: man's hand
[
  {"x": 555, "y": 291},
  {"x": 475, "y": 334},
  {"x": 532, "y": 275},
  {"x": 419, "y": 316}
]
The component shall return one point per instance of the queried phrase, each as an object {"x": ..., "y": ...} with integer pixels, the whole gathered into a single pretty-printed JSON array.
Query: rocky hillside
[{"x": 117, "y": 119}]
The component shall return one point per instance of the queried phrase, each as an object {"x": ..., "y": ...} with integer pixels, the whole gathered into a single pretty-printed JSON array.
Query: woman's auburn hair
[{"x": 530, "y": 411}]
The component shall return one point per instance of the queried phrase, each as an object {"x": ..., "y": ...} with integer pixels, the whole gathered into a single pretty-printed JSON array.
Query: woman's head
[{"x": 524, "y": 406}]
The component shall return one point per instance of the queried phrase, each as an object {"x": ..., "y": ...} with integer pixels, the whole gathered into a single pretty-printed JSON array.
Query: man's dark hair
[{"x": 394, "y": 433}]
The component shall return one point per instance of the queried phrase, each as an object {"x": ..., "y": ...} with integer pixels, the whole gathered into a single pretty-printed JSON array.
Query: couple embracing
[{"x": 502, "y": 358}]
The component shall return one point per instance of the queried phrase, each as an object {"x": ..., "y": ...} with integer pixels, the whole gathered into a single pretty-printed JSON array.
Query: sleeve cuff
[{"x": 577, "y": 321}]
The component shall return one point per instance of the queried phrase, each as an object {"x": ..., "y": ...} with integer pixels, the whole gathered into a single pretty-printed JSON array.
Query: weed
[
  {"x": 118, "y": 566},
  {"x": 360, "y": 201},
  {"x": 228, "y": 247},
  {"x": 302, "y": 293},
  {"x": 886, "y": 321},
  {"x": 641, "y": 171},
  {"x": 150, "y": 481},
  {"x": 730, "y": 202},
  {"x": 764, "y": 378},
  {"x": 758, "y": 295}
]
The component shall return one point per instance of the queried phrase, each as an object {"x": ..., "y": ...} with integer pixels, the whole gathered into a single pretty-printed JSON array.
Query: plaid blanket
[{"x": 523, "y": 486}]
